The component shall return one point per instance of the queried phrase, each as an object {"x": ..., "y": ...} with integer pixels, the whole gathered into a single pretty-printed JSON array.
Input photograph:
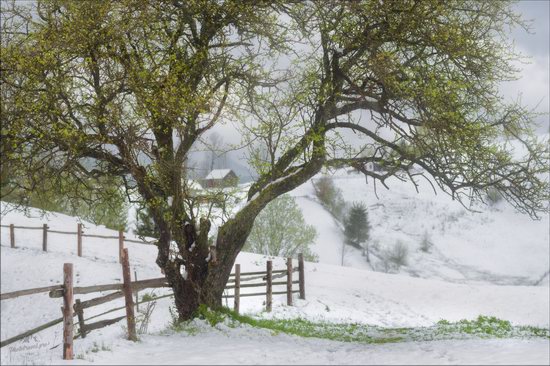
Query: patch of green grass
[
  {"x": 537, "y": 332},
  {"x": 488, "y": 327},
  {"x": 191, "y": 327},
  {"x": 482, "y": 327},
  {"x": 148, "y": 297},
  {"x": 212, "y": 317},
  {"x": 300, "y": 327}
]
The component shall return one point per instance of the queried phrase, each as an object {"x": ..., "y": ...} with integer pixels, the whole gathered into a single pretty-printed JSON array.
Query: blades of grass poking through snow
[{"x": 482, "y": 327}]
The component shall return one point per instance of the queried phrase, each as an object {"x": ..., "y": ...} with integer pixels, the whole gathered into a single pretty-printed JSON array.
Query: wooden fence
[
  {"x": 79, "y": 235},
  {"x": 125, "y": 289}
]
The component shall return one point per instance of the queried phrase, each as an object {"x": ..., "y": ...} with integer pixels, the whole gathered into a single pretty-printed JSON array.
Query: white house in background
[{"x": 219, "y": 178}]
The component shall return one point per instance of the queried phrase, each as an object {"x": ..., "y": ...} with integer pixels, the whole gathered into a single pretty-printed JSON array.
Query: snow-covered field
[{"x": 333, "y": 293}]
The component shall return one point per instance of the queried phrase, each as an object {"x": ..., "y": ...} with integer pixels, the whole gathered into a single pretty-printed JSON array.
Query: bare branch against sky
[{"x": 533, "y": 85}]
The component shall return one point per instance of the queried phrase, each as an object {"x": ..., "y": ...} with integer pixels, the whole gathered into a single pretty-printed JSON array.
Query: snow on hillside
[
  {"x": 333, "y": 293},
  {"x": 497, "y": 245}
]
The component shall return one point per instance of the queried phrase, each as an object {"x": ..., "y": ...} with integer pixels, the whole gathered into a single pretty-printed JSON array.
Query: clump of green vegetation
[
  {"x": 535, "y": 332},
  {"x": 95, "y": 348},
  {"x": 299, "y": 326},
  {"x": 482, "y": 326},
  {"x": 148, "y": 297},
  {"x": 489, "y": 327},
  {"x": 175, "y": 324},
  {"x": 211, "y": 316},
  {"x": 190, "y": 326}
]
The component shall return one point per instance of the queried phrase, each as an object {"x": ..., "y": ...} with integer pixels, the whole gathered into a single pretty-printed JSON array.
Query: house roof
[{"x": 218, "y": 173}]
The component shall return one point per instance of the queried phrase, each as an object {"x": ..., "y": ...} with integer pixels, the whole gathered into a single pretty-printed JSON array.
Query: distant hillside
[{"x": 497, "y": 245}]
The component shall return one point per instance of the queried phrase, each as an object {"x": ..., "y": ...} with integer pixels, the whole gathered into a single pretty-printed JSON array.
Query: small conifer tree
[{"x": 356, "y": 227}]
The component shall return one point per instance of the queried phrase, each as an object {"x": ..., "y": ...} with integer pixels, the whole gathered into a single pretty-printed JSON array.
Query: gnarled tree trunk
[{"x": 194, "y": 278}]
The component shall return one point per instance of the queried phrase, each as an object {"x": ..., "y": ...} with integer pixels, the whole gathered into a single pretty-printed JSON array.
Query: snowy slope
[
  {"x": 497, "y": 245},
  {"x": 333, "y": 293},
  {"x": 330, "y": 238}
]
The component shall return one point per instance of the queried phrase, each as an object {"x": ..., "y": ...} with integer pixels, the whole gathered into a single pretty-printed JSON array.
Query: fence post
[
  {"x": 12, "y": 236},
  {"x": 269, "y": 287},
  {"x": 80, "y": 313},
  {"x": 127, "y": 288},
  {"x": 79, "y": 240},
  {"x": 137, "y": 292},
  {"x": 45, "y": 237},
  {"x": 236, "y": 298},
  {"x": 301, "y": 276},
  {"x": 120, "y": 245},
  {"x": 289, "y": 281},
  {"x": 68, "y": 311}
]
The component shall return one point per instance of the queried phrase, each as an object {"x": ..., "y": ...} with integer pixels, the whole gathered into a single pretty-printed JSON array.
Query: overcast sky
[{"x": 534, "y": 84}]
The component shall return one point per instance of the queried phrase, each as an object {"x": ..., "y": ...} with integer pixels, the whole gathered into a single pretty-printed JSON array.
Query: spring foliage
[{"x": 280, "y": 230}]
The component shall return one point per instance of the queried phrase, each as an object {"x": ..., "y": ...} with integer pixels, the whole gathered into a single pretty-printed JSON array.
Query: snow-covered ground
[
  {"x": 256, "y": 347},
  {"x": 333, "y": 293}
]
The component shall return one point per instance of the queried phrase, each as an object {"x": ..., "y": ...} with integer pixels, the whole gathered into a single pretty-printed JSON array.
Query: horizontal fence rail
[
  {"x": 32, "y": 291},
  {"x": 31, "y": 332},
  {"x": 258, "y": 284},
  {"x": 136, "y": 285},
  {"x": 63, "y": 232},
  {"x": 259, "y": 294},
  {"x": 23, "y": 227},
  {"x": 257, "y": 273},
  {"x": 79, "y": 233}
]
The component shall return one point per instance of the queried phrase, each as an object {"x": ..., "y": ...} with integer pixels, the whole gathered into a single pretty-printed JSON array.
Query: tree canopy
[
  {"x": 131, "y": 86},
  {"x": 280, "y": 230}
]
